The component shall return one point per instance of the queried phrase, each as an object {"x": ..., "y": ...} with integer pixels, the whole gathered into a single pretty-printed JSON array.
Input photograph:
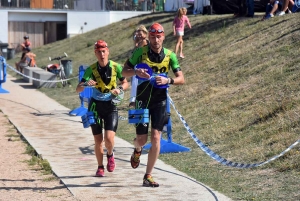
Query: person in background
[
  {"x": 103, "y": 75},
  {"x": 287, "y": 6},
  {"x": 161, "y": 60},
  {"x": 135, "y": 39},
  {"x": 250, "y": 8},
  {"x": 143, "y": 36},
  {"x": 25, "y": 48},
  {"x": 153, "y": 6},
  {"x": 143, "y": 41},
  {"x": 271, "y": 9},
  {"x": 296, "y": 7},
  {"x": 178, "y": 29},
  {"x": 25, "y": 45},
  {"x": 26, "y": 60},
  {"x": 241, "y": 9}
]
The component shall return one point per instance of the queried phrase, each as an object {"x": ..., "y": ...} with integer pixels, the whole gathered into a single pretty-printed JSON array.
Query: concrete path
[{"x": 62, "y": 140}]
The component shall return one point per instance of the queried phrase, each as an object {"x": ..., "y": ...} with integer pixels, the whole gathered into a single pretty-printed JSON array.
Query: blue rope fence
[{"x": 220, "y": 159}]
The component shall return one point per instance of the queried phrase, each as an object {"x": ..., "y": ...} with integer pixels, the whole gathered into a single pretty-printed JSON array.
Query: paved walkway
[{"x": 62, "y": 140}]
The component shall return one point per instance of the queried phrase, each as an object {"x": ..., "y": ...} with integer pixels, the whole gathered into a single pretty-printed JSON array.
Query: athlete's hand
[
  {"x": 90, "y": 83},
  {"x": 160, "y": 80},
  {"x": 115, "y": 91},
  {"x": 142, "y": 73}
]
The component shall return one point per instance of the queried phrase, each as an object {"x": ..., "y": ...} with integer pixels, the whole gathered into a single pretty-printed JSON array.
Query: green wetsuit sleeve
[
  {"x": 119, "y": 72},
  {"x": 136, "y": 56},
  {"x": 87, "y": 74},
  {"x": 174, "y": 64}
]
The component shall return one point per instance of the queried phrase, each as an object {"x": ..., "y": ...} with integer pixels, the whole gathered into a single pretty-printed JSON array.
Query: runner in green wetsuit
[
  {"x": 103, "y": 75},
  {"x": 161, "y": 60}
]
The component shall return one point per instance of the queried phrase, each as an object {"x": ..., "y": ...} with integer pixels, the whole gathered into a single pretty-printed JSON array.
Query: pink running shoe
[
  {"x": 111, "y": 165},
  {"x": 100, "y": 172}
]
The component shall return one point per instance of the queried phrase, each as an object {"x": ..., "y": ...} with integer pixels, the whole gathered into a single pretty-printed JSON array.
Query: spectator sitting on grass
[
  {"x": 296, "y": 7},
  {"x": 271, "y": 9},
  {"x": 287, "y": 6}
]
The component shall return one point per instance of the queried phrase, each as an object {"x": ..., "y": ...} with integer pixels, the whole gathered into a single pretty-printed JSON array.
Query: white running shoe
[{"x": 281, "y": 13}]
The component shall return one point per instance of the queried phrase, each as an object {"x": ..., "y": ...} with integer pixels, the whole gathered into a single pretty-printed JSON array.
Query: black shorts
[
  {"x": 158, "y": 116},
  {"x": 105, "y": 112}
]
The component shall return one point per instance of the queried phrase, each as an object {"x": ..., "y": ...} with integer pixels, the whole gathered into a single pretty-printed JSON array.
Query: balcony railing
[
  {"x": 84, "y": 5},
  {"x": 37, "y": 4}
]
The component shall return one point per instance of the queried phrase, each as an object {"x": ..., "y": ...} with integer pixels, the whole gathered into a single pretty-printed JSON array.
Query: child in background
[{"x": 178, "y": 29}]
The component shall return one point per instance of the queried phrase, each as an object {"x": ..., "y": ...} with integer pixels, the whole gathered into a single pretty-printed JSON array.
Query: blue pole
[
  {"x": 2, "y": 74},
  {"x": 167, "y": 146},
  {"x": 169, "y": 125},
  {"x": 84, "y": 96}
]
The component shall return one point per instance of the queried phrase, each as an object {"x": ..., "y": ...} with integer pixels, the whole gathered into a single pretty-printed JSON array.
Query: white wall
[
  {"x": 3, "y": 27},
  {"x": 93, "y": 20},
  {"x": 116, "y": 16}
]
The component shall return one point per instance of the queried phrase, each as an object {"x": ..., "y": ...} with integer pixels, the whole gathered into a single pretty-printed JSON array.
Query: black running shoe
[
  {"x": 149, "y": 182},
  {"x": 135, "y": 159}
]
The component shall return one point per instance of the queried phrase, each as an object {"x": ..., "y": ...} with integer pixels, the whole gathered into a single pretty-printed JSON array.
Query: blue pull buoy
[
  {"x": 85, "y": 121},
  {"x": 138, "y": 116},
  {"x": 88, "y": 119},
  {"x": 91, "y": 118}
]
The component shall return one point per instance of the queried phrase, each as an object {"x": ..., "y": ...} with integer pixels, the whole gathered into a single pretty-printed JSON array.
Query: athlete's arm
[
  {"x": 124, "y": 84},
  {"x": 79, "y": 87},
  {"x": 179, "y": 78},
  {"x": 128, "y": 70},
  {"x": 86, "y": 79}
]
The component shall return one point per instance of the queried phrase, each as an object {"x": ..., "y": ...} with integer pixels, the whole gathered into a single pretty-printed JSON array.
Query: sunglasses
[{"x": 156, "y": 31}]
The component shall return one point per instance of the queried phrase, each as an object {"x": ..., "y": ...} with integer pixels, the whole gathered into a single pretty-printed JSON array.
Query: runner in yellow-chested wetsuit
[
  {"x": 103, "y": 75},
  {"x": 161, "y": 60}
]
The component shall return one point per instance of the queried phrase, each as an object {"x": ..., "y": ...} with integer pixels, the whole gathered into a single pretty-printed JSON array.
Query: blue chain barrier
[
  {"x": 15, "y": 70},
  {"x": 220, "y": 159}
]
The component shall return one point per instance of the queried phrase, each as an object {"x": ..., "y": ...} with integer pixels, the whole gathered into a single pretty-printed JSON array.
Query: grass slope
[{"x": 241, "y": 97}]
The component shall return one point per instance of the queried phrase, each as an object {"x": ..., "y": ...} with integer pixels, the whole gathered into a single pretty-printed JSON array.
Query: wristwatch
[{"x": 170, "y": 81}]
